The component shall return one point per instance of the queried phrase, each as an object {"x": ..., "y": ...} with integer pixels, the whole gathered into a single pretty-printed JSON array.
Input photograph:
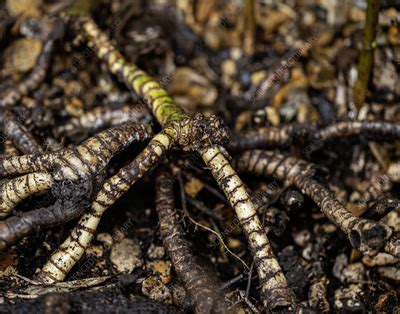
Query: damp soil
[{"x": 204, "y": 46}]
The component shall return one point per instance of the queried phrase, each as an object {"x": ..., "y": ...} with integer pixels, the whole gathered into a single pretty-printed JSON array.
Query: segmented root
[
  {"x": 17, "y": 133},
  {"x": 72, "y": 201},
  {"x": 285, "y": 135},
  {"x": 260, "y": 138},
  {"x": 366, "y": 235},
  {"x": 77, "y": 165},
  {"x": 73, "y": 248},
  {"x": 16, "y": 165},
  {"x": 190, "y": 132},
  {"x": 32, "y": 81},
  {"x": 103, "y": 117},
  {"x": 203, "y": 289},
  {"x": 13, "y": 191},
  {"x": 199, "y": 133},
  {"x": 82, "y": 161},
  {"x": 140, "y": 82},
  {"x": 275, "y": 291},
  {"x": 349, "y": 128},
  {"x": 269, "y": 136},
  {"x": 95, "y": 153}
]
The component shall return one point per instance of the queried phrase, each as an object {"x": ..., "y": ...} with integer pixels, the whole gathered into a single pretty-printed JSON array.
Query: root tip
[{"x": 369, "y": 236}]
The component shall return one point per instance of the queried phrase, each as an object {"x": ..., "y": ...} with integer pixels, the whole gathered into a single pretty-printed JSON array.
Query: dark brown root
[
  {"x": 269, "y": 136},
  {"x": 72, "y": 201},
  {"x": 13, "y": 129},
  {"x": 388, "y": 130},
  {"x": 32, "y": 81},
  {"x": 202, "y": 288}
]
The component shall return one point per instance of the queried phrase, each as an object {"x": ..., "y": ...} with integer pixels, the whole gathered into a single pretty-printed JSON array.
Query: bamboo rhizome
[
  {"x": 366, "y": 235},
  {"x": 81, "y": 165},
  {"x": 198, "y": 133}
]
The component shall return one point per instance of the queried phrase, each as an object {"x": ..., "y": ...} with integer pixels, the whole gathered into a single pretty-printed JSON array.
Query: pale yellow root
[
  {"x": 73, "y": 248},
  {"x": 275, "y": 290},
  {"x": 13, "y": 191}
]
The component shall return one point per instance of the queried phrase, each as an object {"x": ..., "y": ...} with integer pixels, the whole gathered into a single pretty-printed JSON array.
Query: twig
[
  {"x": 219, "y": 236},
  {"x": 250, "y": 28},
  {"x": 367, "y": 53},
  {"x": 203, "y": 208},
  {"x": 231, "y": 282}
]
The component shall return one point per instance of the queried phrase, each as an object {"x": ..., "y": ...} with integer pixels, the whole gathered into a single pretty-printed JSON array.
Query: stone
[{"x": 126, "y": 255}]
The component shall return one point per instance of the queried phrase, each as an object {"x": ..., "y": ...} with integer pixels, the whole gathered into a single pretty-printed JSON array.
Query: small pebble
[
  {"x": 162, "y": 269},
  {"x": 155, "y": 251},
  {"x": 302, "y": 237},
  {"x": 307, "y": 252},
  {"x": 21, "y": 55},
  {"x": 341, "y": 262},
  {"x": 380, "y": 259},
  {"x": 193, "y": 187},
  {"x": 23, "y": 7},
  {"x": 390, "y": 272},
  {"x": 96, "y": 250},
  {"x": 233, "y": 243},
  {"x": 105, "y": 238},
  {"x": 229, "y": 67},
  {"x": 353, "y": 273},
  {"x": 349, "y": 298},
  {"x": 156, "y": 290},
  {"x": 126, "y": 255}
]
